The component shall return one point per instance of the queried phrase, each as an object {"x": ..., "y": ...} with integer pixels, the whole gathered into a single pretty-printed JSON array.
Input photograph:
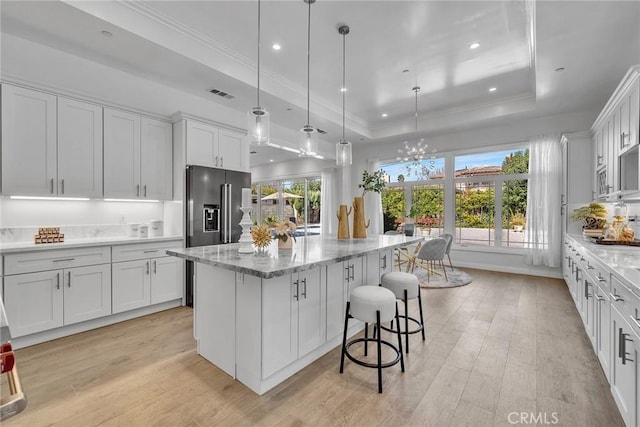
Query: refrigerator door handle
[
  {"x": 225, "y": 214},
  {"x": 229, "y": 193},
  {"x": 190, "y": 218}
]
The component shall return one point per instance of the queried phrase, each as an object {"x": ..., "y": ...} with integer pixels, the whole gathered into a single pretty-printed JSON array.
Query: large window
[
  {"x": 488, "y": 186},
  {"x": 297, "y": 200}
]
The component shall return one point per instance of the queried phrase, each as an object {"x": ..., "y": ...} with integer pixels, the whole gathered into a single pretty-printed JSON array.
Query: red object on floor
[{"x": 7, "y": 360}]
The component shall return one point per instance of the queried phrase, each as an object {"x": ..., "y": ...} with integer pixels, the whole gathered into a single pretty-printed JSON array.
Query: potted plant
[
  {"x": 517, "y": 222},
  {"x": 371, "y": 182},
  {"x": 593, "y": 218},
  {"x": 285, "y": 232}
]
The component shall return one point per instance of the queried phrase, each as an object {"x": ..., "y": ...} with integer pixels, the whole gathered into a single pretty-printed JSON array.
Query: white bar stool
[
  {"x": 405, "y": 287},
  {"x": 372, "y": 304}
]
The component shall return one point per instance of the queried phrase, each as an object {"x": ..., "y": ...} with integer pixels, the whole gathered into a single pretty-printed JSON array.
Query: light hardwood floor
[{"x": 506, "y": 343}]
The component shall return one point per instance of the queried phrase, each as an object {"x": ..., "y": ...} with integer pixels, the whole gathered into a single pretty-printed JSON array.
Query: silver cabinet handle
[
  {"x": 623, "y": 136},
  {"x": 599, "y": 160},
  {"x": 144, "y": 188},
  {"x": 384, "y": 262},
  {"x": 64, "y": 259},
  {"x": 221, "y": 161},
  {"x": 589, "y": 267},
  {"x": 51, "y": 185},
  {"x": 297, "y": 283},
  {"x": 216, "y": 160},
  {"x": 69, "y": 282},
  {"x": 600, "y": 278},
  {"x": 353, "y": 269},
  {"x": 622, "y": 346},
  {"x": 57, "y": 280},
  {"x": 155, "y": 266},
  {"x": 615, "y": 297},
  {"x": 635, "y": 320},
  {"x": 147, "y": 268},
  {"x": 304, "y": 288},
  {"x": 586, "y": 289},
  {"x": 599, "y": 298},
  {"x": 62, "y": 186},
  {"x": 347, "y": 278},
  {"x": 137, "y": 190}
]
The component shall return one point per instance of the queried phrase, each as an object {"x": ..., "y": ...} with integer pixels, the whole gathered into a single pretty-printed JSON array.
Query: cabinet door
[
  {"x": 33, "y": 302},
  {"x": 629, "y": 118},
  {"x": 356, "y": 273},
  {"x": 166, "y": 279},
  {"x": 202, "y": 144},
  {"x": 312, "y": 323},
  {"x": 121, "y": 154},
  {"x": 334, "y": 275},
  {"x": 28, "y": 142},
  {"x": 87, "y": 293},
  {"x": 230, "y": 146},
  {"x": 623, "y": 367},
  {"x": 79, "y": 149},
  {"x": 280, "y": 297},
  {"x": 157, "y": 166},
  {"x": 589, "y": 309},
  {"x": 602, "y": 325},
  {"x": 131, "y": 285}
]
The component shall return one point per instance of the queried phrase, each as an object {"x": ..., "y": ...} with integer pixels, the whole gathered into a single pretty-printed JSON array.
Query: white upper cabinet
[
  {"x": 29, "y": 165},
  {"x": 156, "y": 158},
  {"x": 121, "y": 154},
  {"x": 137, "y": 157},
  {"x": 79, "y": 149},
  {"x": 210, "y": 146},
  {"x": 51, "y": 146}
]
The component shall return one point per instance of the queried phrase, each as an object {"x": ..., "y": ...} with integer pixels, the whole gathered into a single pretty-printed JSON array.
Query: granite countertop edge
[{"x": 7, "y": 248}]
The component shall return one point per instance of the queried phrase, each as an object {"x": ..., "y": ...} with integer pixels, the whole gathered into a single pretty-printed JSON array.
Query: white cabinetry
[
  {"x": 137, "y": 157},
  {"x": 576, "y": 176},
  {"x": 296, "y": 306},
  {"x": 50, "y": 146},
  {"x": 341, "y": 279},
  {"x": 616, "y": 142},
  {"x": 143, "y": 275},
  {"x": 208, "y": 145},
  {"x": 38, "y": 301}
]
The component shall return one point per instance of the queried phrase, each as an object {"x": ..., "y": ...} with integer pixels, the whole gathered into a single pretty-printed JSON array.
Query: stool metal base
[
  {"x": 372, "y": 365},
  {"x": 407, "y": 318}
]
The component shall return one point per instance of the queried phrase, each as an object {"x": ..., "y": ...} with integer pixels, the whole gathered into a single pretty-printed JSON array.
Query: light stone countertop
[
  {"x": 308, "y": 252},
  {"x": 15, "y": 247},
  {"x": 624, "y": 261}
]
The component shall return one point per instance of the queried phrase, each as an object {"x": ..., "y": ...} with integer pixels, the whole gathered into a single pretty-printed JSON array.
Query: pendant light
[
  {"x": 343, "y": 147},
  {"x": 258, "y": 118},
  {"x": 415, "y": 154},
  {"x": 309, "y": 134}
]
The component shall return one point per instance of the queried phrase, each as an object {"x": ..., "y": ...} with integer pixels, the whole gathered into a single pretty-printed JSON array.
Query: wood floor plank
[{"x": 505, "y": 343}]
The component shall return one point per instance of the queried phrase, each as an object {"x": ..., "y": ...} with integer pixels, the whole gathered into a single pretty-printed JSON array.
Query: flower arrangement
[
  {"x": 261, "y": 235},
  {"x": 593, "y": 216},
  {"x": 373, "y": 181},
  {"x": 284, "y": 230}
]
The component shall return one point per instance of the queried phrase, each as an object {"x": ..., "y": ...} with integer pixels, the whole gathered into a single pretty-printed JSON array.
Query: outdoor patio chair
[{"x": 432, "y": 252}]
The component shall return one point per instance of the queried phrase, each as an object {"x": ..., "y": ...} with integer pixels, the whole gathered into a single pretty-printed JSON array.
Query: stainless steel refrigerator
[{"x": 213, "y": 199}]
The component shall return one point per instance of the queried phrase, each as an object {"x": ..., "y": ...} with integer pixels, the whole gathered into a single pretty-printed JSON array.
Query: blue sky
[{"x": 493, "y": 158}]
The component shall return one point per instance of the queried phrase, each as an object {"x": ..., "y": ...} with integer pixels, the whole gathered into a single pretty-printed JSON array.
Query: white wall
[{"x": 291, "y": 169}]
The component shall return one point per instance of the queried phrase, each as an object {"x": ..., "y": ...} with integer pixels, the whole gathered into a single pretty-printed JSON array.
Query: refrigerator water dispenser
[{"x": 211, "y": 218}]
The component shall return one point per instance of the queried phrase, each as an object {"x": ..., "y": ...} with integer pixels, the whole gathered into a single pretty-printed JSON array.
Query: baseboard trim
[
  {"x": 52, "y": 334},
  {"x": 554, "y": 274}
]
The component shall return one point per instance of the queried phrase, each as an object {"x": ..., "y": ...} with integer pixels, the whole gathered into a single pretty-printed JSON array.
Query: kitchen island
[{"x": 263, "y": 317}]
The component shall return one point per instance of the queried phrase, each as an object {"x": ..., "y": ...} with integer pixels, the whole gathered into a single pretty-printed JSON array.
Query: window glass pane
[
  {"x": 514, "y": 211},
  {"x": 492, "y": 163},
  {"x": 269, "y": 201},
  {"x": 427, "y": 208},
  {"x": 475, "y": 213},
  {"x": 314, "y": 192},
  {"x": 393, "y": 207},
  {"x": 293, "y": 201},
  {"x": 422, "y": 170}
]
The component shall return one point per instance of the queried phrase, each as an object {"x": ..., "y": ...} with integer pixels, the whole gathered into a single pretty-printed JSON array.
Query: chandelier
[{"x": 415, "y": 154}]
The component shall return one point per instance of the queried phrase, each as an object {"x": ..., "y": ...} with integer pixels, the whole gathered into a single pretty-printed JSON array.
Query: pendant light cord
[
  {"x": 344, "y": 87},
  {"x": 308, "y": 58},
  {"x": 258, "y": 54}
]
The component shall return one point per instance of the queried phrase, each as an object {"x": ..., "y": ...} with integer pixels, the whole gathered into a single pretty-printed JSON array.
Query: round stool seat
[
  {"x": 366, "y": 300},
  {"x": 397, "y": 282}
]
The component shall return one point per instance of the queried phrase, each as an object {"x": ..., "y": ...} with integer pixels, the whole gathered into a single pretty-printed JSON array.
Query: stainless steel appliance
[{"x": 213, "y": 199}]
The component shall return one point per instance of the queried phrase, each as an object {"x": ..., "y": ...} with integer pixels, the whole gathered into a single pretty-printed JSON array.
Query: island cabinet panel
[
  {"x": 312, "y": 311},
  {"x": 334, "y": 278}
]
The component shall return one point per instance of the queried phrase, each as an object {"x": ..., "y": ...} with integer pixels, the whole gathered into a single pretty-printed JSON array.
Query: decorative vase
[
  {"x": 359, "y": 225},
  {"x": 343, "y": 222},
  {"x": 285, "y": 244}
]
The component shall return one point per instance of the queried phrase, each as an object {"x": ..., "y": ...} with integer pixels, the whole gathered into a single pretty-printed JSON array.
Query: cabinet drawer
[
  {"x": 626, "y": 302},
  {"x": 30, "y": 262},
  {"x": 143, "y": 250},
  {"x": 598, "y": 273}
]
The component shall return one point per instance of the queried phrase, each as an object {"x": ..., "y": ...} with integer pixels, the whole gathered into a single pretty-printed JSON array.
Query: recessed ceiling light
[
  {"x": 384, "y": 114},
  {"x": 406, "y": 70},
  {"x": 106, "y": 33},
  {"x": 343, "y": 89},
  {"x": 253, "y": 152},
  {"x": 271, "y": 160},
  {"x": 276, "y": 46},
  {"x": 289, "y": 109},
  {"x": 492, "y": 89},
  {"x": 474, "y": 45},
  {"x": 559, "y": 69}
]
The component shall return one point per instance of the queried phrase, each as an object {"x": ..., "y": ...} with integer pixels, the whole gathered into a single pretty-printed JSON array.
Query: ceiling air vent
[
  {"x": 321, "y": 131},
  {"x": 221, "y": 93}
]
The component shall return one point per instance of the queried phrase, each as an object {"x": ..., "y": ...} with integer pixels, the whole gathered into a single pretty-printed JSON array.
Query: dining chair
[
  {"x": 431, "y": 252},
  {"x": 449, "y": 238}
]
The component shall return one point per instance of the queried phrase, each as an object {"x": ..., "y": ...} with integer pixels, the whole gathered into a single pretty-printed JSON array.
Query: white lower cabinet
[
  {"x": 602, "y": 325},
  {"x": 293, "y": 314},
  {"x": 624, "y": 374},
  {"x": 142, "y": 282},
  {"x": 341, "y": 279},
  {"x": 35, "y": 302}
]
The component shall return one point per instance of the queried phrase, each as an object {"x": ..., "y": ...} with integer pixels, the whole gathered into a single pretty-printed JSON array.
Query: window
[
  {"x": 488, "y": 186},
  {"x": 427, "y": 208}
]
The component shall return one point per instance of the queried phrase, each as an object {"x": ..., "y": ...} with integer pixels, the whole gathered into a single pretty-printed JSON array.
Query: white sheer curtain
[
  {"x": 327, "y": 202},
  {"x": 543, "y": 226},
  {"x": 373, "y": 204}
]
